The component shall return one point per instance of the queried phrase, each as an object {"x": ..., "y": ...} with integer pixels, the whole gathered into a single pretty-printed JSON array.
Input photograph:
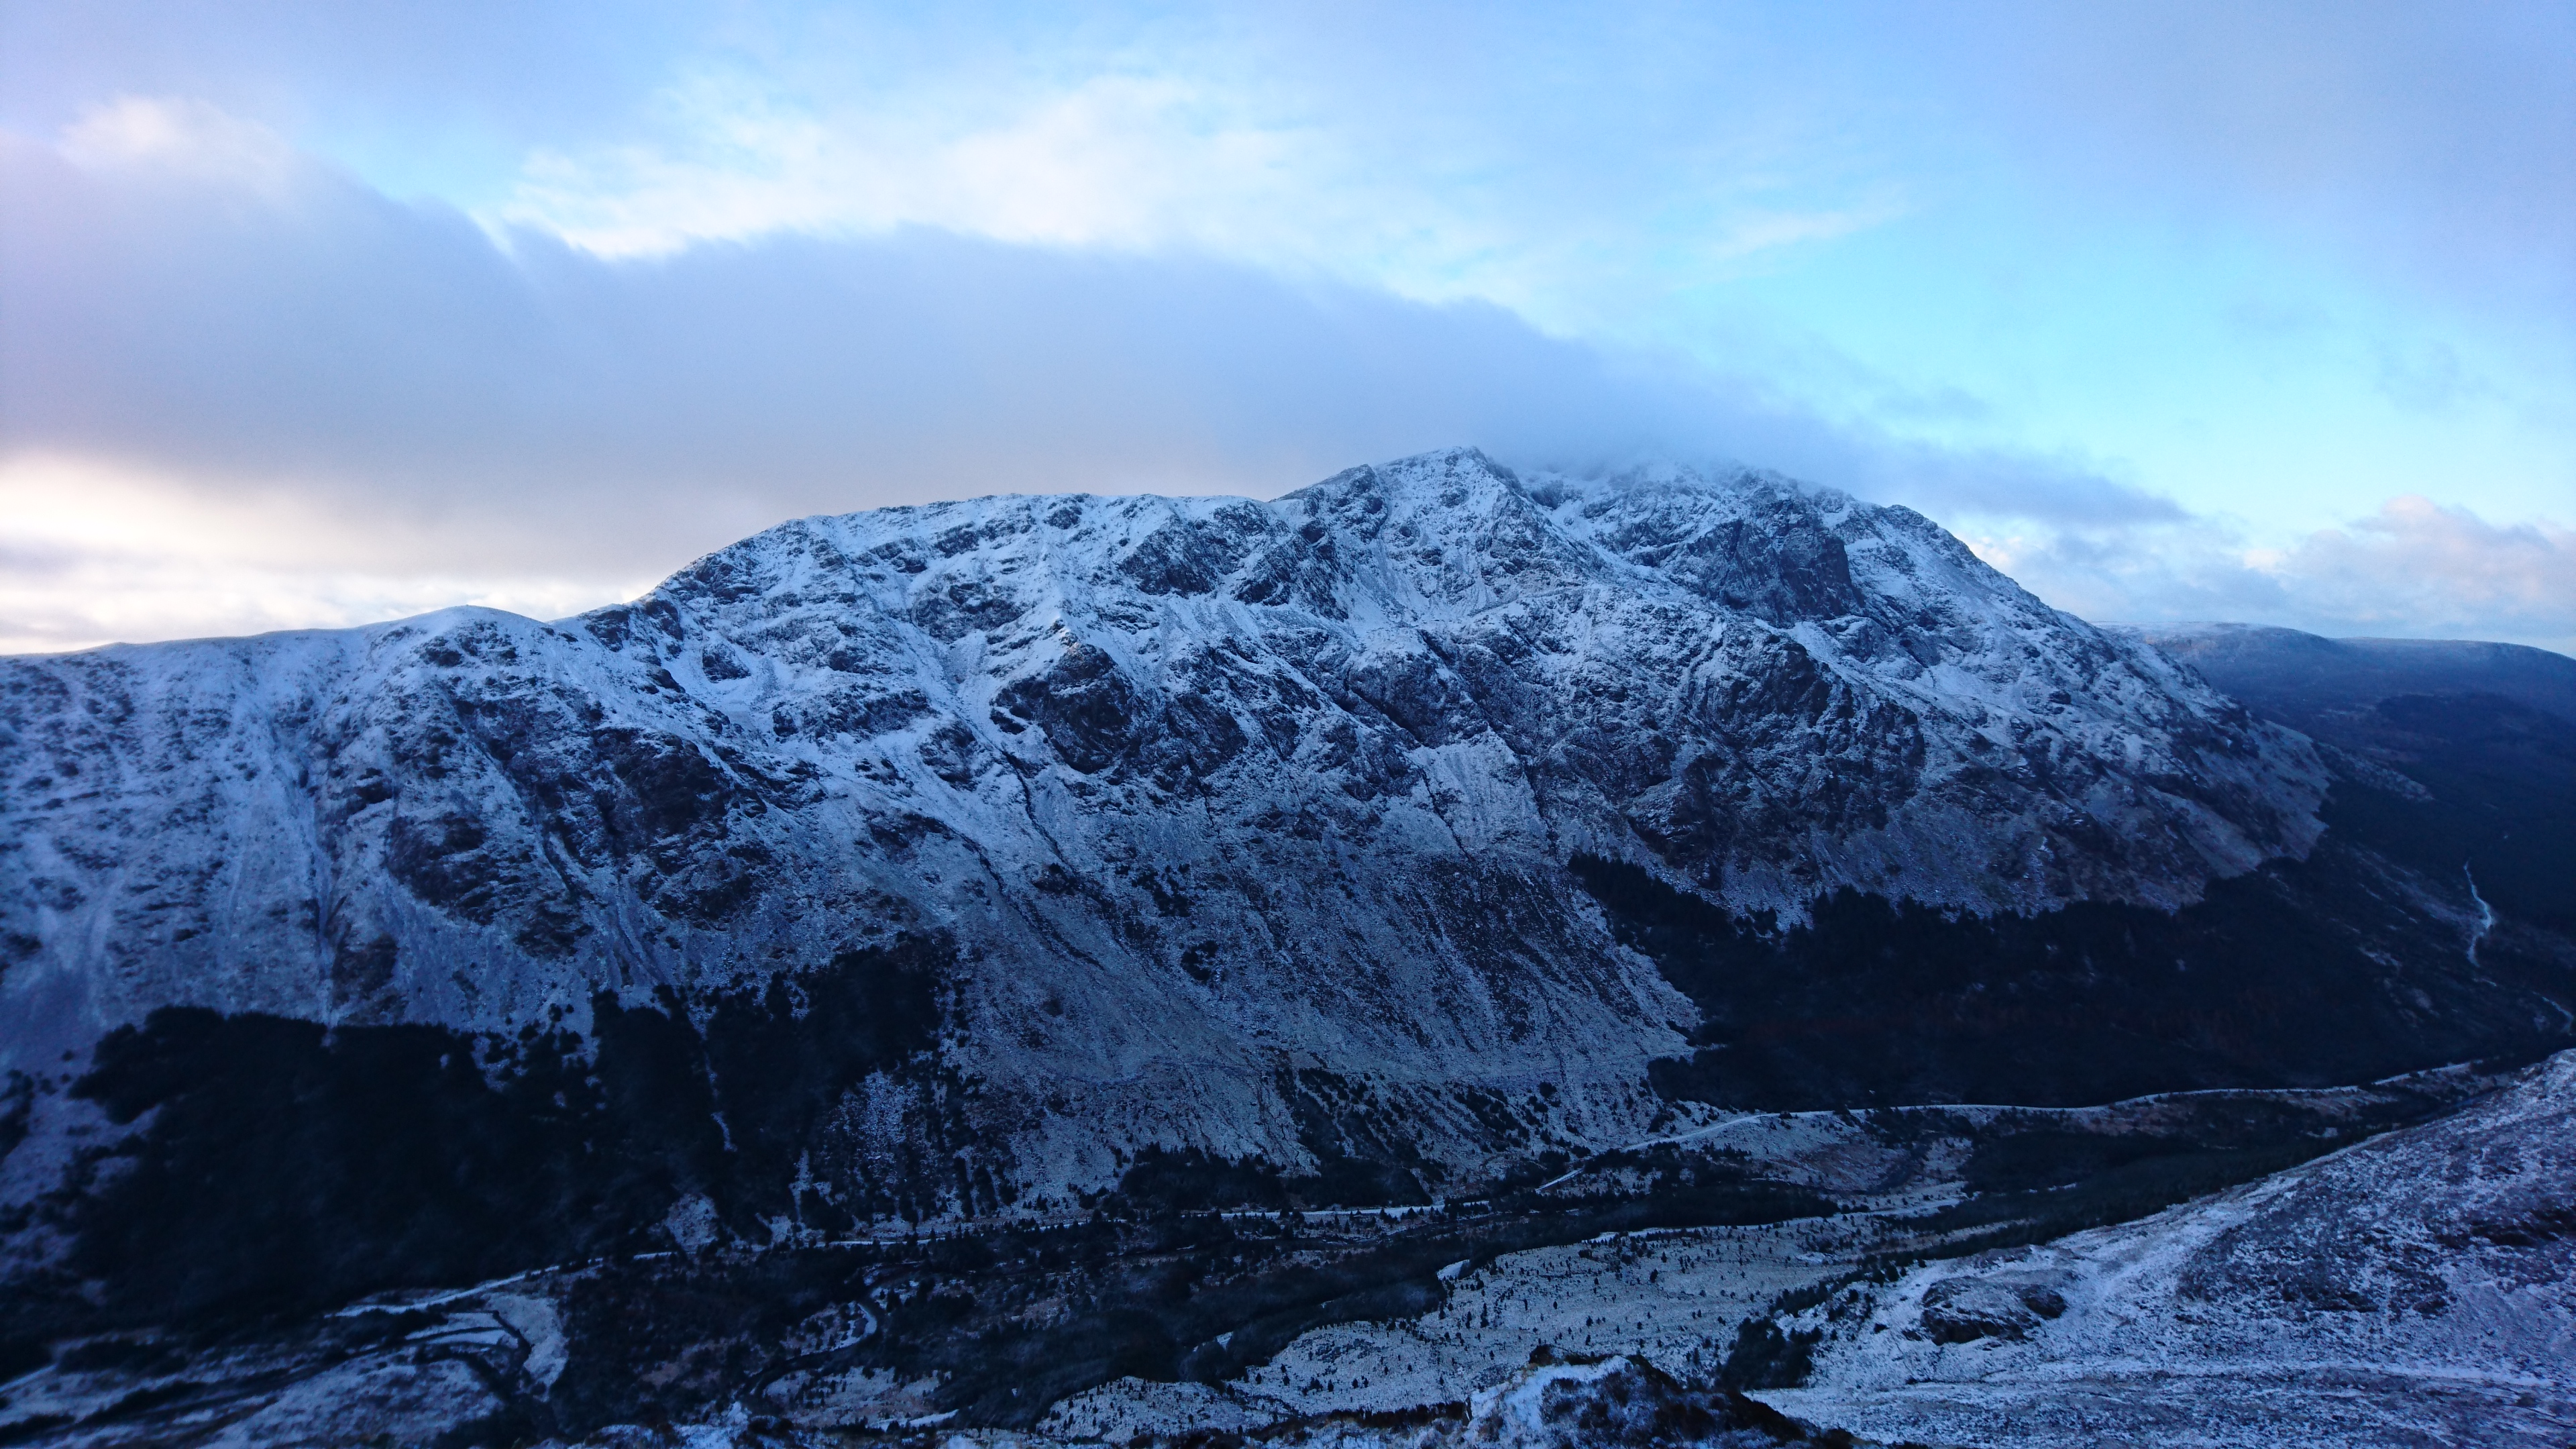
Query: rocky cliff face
[{"x": 1211, "y": 824}]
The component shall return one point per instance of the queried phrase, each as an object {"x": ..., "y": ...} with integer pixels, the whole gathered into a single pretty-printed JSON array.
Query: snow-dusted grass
[
  {"x": 2419, "y": 1288},
  {"x": 1674, "y": 1298}
]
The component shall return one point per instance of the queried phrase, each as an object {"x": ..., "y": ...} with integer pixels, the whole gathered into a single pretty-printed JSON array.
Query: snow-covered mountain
[
  {"x": 1089, "y": 824},
  {"x": 1426, "y": 833}
]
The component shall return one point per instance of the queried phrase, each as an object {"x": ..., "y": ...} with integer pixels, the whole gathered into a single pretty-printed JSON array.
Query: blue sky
[{"x": 312, "y": 314}]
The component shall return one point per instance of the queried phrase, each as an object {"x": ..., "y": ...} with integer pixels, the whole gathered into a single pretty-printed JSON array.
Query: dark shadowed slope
[{"x": 2455, "y": 757}]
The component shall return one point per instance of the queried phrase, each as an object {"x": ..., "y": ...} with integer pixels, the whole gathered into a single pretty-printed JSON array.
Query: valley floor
[{"x": 2414, "y": 1288}]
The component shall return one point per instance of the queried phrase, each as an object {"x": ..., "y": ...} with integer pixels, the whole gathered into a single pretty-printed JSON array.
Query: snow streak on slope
[{"x": 1245, "y": 823}]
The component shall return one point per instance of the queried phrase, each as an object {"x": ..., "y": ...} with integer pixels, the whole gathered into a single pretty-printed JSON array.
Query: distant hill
[
  {"x": 2481, "y": 740},
  {"x": 2297, "y": 677}
]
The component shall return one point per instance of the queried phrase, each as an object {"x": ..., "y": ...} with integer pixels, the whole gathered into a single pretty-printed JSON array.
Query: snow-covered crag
[{"x": 1224, "y": 824}]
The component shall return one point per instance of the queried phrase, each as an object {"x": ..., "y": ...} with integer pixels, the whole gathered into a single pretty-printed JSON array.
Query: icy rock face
[{"x": 1244, "y": 822}]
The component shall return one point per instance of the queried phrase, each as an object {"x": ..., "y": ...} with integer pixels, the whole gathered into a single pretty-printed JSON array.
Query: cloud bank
[
  {"x": 202, "y": 321},
  {"x": 2417, "y": 568},
  {"x": 241, "y": 390}
]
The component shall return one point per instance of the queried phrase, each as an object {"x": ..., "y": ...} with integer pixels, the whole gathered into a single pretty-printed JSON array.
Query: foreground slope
[{"x": 2417, "y": 1289}]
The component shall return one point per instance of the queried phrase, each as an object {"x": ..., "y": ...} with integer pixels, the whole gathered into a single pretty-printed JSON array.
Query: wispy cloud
[
  {"x": 185, "y": 138},
  {"x": 1122, "y": 160},
  {"x": 1313, "y": 144}
]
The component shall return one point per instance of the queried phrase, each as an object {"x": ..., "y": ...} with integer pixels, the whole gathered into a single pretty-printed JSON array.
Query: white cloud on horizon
[
  {"x": 2411, "y": 569},
  {"x": 2418, "y": 568},
  {"x": 95, "y": 552}
]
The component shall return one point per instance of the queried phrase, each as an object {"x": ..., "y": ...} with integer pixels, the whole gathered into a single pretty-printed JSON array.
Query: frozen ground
[
  {"x": 1672, "y": 1298},
  {"x": 2413, "y": 1289},
  {"x": 2416, "y": 1289}
]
